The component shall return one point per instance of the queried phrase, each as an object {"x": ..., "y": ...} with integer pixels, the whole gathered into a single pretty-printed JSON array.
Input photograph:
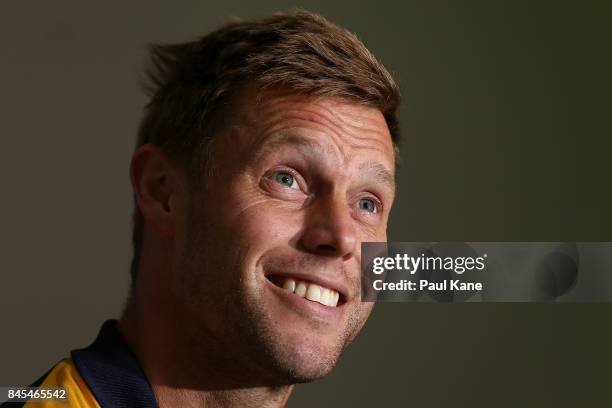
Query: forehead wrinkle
[
  {"x": 345, "y": 130},
  {"x": 291, "y": 137},
  {"x": 277, "y": 132},
  {"x": 354, "y": 125},
  {"x": 348, "y": 131},
  {"x": 333, "y": 115},
  {"x": 349, "y": 119}
]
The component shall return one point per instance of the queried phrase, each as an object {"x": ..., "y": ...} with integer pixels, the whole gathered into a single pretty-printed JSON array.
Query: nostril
[{"x": 326, "y": 248}]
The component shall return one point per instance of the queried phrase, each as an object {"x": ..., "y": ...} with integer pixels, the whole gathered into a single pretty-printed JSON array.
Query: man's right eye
[{"x": 286, "y": 179}]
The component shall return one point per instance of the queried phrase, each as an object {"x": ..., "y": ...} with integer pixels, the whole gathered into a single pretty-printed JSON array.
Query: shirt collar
[{"x": 112, "y": 372}]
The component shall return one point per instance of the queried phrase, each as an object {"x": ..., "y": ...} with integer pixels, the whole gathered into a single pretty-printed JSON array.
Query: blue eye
[
  {"x": 368, "y": 205},
  {"x": 286, "y": 179}
]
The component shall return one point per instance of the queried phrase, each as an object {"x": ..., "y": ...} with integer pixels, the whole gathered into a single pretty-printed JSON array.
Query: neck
[
  {"x": 177, "y": 376},
  {"x": 245, "y": 397}
]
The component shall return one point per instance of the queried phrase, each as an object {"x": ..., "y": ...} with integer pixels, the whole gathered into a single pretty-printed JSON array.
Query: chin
[
  {"x": 308, "y": 357},
  {"x": 294, "y": 357},
  {"x": 309, "y": 366}
]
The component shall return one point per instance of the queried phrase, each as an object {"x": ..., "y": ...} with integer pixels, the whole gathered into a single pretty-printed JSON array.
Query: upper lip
[{"x": 321, "y": 280}]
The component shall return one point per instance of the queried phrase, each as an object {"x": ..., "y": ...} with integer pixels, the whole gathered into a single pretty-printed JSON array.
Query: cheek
[
  {"x": 260, "y": 224},
  {"x": 365, "y": 309},
  {"x": 264, "y": 226}
]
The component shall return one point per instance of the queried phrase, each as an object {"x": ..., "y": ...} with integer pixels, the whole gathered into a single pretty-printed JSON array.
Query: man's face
[{"x": 268, "y": 266}]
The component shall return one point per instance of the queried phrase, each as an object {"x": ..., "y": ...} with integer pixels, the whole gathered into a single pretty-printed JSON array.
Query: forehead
[{"x": 345, "y": 131}]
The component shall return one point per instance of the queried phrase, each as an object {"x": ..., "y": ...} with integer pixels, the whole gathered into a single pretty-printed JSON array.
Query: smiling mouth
[{"x": 309, "y": 290}]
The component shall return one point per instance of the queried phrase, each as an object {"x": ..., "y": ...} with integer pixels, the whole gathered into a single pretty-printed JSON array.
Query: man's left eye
[
  {"x": 368, "y": 205},
  {"x": 286, "y": 179}
]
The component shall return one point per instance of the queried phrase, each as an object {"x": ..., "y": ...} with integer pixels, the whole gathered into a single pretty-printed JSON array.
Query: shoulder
[
  {"x": 63, "y": 375},
  {"x": 104, "y": 374}
]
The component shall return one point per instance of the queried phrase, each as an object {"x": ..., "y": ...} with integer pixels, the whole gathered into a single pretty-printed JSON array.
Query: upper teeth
[{"x": 311, "y": 291}]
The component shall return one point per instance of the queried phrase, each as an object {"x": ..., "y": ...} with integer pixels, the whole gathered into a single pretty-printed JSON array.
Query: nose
[{"x": 329, "y": 229}]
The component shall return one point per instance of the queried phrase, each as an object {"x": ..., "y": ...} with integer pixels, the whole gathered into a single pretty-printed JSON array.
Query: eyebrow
[
  {"x": 380, "y": 172},
  {"x": 259, "y": 149}
]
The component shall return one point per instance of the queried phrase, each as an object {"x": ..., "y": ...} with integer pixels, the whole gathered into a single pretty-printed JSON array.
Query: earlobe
[{"x": 154, "y": 181}]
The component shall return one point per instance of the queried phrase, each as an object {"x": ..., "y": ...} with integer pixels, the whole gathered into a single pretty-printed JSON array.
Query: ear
[{"x": 157, "y": 187}]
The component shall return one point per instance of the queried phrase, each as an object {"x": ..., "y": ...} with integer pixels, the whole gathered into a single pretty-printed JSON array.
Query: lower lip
[{"x": 313, "y": 309}]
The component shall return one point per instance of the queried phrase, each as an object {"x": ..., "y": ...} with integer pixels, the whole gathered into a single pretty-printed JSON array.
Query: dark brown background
[{"x": 506, "y": 137}]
